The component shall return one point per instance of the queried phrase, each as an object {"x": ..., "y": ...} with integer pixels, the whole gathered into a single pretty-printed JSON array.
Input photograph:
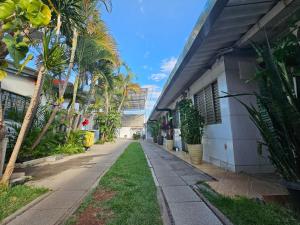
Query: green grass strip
[
  {"x": 16, "y": 197},
  {"x": 134, "y": 201},
  {"x": 245, "y": 211}
]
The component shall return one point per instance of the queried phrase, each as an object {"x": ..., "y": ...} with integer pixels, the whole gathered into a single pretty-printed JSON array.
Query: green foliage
[
  {"x": 134, "y": 201},
  {"x": 136, "y": 136},
  {"x": 244, "y": 211},
  {"x": 154, "y": 127},
  {"x": 109, "y": 123},
  {"x": 277, "y": 115},
  {"x": 54, "y": 57},
  {"x": 47, "y": 147},
  {"x": 73, "y": 145},
  {"x": 192, "y": 123},
  {"x": 14, "y": 198},
  {"x": 16, "y": 17}
]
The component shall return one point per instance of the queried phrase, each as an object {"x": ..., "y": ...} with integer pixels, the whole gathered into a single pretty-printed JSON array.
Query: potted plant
[
  {"x": 277, "y": 115},
  {"x": 169, "y": 141},
  {"x": 169, "y": 133},
  {"x": 192, "y": 125},
  {"x": 154, "y": 127},
  {"x": 160, "y": 138}
]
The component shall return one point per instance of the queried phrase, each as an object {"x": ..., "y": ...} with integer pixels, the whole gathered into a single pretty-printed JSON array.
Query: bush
[
  {"x": 69, "y": 149},
  {"x": 73, "y": 145},
  {"x": 136, "y": 136}
]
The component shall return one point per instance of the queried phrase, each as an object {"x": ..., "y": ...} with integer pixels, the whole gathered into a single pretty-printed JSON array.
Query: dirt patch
[
  {"x": 95, "y": 214},
  {"x": 103, "y": 195}
]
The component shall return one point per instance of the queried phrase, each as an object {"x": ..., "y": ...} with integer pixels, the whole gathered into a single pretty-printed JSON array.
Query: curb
[
  {"x": 216, "y": 211},
  {"x": 25, "y": 208},
  {"x": 39, "y": 161}
]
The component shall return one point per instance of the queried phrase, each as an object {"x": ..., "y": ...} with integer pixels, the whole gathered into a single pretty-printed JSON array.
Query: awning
[
  {"x": 136, "y": 100},
  {"x": 224, "y": 26}
]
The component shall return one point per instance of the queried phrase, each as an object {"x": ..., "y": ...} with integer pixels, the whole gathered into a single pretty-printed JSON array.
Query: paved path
[
  {"x": 175, "y": 177},
  {"x": 70, "y": 179}
]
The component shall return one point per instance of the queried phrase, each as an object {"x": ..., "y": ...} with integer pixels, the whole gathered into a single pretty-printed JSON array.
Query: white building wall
[
  {"x": 245, "y": 135},
  {"x": 217, "y": 140},
  {"x": 19, "y": 84},
  {"x": 127, "y": 132}
]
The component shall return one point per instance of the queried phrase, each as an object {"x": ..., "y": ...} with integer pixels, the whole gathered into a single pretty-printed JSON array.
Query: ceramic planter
[
  {"x": 160, "y": 140},
  {"x": 169, "y": 145},
  {"x": 196, "y": 153},
  {"x": 155, "y": 139},
  {"x": 294, "y": 191}
]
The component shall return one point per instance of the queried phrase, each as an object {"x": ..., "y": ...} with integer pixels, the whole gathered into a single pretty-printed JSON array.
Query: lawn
[
  {"x": 125, "y": 195},
  {"x": 245, "y": 211},
  {"x": 16, "y": 197}
]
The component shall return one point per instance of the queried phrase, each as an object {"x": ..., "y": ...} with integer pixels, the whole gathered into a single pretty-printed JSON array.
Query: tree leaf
[{"x": 7, "y": 8}]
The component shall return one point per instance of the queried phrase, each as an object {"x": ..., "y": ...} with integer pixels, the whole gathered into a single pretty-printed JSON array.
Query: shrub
[{"x": 136, "y": 136}]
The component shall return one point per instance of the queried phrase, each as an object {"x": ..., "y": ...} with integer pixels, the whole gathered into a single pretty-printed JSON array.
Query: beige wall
[{"x": 19, "y": 84}]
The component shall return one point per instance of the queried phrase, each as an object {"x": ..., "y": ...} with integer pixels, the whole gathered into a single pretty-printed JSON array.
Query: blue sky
[{"x": 151, "y": 35}]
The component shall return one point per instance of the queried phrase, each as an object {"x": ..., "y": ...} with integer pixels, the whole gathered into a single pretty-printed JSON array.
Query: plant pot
[
  {"x": 196, "y": 153},
  {"x": 160, "y": 140},
  {"x": 155, "y": 139},
  {"x": 294, "y": 191},
  {"x": 169, "y": 145}
]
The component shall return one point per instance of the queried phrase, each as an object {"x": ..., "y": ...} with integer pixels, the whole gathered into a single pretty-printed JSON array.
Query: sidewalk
[
  {"x": 174, "y": 178},
  {"x": 231, "y": 184},
  {"x": 70, "y": 181}
]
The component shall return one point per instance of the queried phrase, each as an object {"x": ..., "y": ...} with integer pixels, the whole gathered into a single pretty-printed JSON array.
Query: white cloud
[
  {"x": 140, "y": 35},
  {"x": 146, "y": 54},
  {"x": 142, "y": 9},
  {"x": 166, "y": 68},
  {"x": 167, "y": 65},
  {"x": 158, "y": 76},
  {"x": 154, "y": 92},
  {"x": 141, "y": 6}
]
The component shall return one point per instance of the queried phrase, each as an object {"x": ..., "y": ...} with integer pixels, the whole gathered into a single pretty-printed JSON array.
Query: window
[{"x": 208, "y": 103}]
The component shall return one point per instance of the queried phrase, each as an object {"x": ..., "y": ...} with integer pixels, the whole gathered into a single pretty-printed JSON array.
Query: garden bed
[
  {"x": 125, "y": 195},
  {"x": 14, "y": 198},
  {"x": 244, "y": 211}
]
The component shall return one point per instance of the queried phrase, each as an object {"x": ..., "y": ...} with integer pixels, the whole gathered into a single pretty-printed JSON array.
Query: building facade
[{"x": 219, "y": 60}]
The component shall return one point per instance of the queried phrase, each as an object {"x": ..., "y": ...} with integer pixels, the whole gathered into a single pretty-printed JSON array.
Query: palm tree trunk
[
  {"x": 26, "y": 122},
  {"x": 122, "y": 101},
  {"x": 61, "y": 91},
  {"x": 72, "y": 109}
]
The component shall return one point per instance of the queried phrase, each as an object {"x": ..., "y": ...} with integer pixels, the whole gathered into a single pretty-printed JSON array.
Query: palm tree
[{"x": 71, "y": 16}]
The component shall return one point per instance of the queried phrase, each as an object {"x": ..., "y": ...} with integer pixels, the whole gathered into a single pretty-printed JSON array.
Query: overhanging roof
[{"x": 224, "y": 26}]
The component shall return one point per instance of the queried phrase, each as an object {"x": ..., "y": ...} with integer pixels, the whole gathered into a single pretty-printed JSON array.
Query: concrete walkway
[
  {"x": 175, "y": 177},
  {"x": 70, "y": 180}
]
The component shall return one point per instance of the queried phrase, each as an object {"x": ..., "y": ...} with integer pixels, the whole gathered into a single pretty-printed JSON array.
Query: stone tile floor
[
  {"x": 174, "y": 179},
  {"x": 231, "y": 184}
]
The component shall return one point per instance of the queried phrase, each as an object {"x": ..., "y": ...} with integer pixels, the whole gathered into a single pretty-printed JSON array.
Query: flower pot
[
  {"x": 196, "y": 153},
  {"x": 155, "y": 139},
  {"x": 169, "y": 145},
  {"x": 160, "y": 140},
  {"x": 294, "y": 191}
]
